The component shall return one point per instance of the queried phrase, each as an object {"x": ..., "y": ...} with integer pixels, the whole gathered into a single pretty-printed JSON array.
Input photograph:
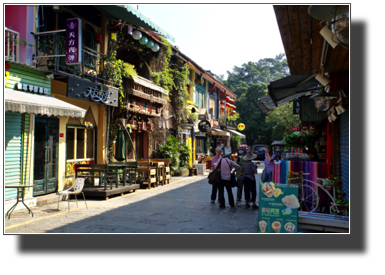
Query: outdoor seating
[
  {"x": 94, "y": 171},
  {"x": 147, "y": 172},
  {"x": 75, "y": 189}
]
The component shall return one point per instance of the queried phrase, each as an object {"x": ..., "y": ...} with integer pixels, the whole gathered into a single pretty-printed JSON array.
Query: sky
[{"x": 219, "y": 36}]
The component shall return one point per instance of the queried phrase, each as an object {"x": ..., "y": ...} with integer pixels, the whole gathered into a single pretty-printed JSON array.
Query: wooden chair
[{"x": 145, "y": 166}]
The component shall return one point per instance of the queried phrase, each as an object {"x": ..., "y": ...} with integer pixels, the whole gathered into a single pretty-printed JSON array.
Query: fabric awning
[
  {"x": 23, "y": 102},
  {"x": 219, "y": 132},
  {"x": 132, "y": 16},
  {"x": 237, "y": 133},
  {"x": 287, "y": 89}
]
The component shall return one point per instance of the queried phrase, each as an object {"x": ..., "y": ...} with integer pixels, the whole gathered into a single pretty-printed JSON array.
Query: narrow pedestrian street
[{"x": 183, "y": 206}]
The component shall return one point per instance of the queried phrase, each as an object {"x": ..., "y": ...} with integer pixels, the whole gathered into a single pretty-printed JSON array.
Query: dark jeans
[
  {"x": 250, "y": 186},
  {"x": 221, "y": 188},
  {"x": 239, "y": 188},
  {"x": 214, "y": 192}
]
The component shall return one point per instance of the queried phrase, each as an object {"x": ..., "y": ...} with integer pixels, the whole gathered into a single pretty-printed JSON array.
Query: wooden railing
[{"x": 11, "y": 45}]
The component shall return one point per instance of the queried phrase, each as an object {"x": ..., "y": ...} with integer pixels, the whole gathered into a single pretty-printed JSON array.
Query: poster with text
[{"x": 278, "y": 208}]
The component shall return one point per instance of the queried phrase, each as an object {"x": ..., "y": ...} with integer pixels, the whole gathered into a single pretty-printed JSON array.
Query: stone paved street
[{"x": 181, "y": 207}]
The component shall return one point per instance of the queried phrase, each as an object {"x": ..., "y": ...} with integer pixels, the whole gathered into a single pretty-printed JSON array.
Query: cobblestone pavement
[{"x": 183, "y": 206}]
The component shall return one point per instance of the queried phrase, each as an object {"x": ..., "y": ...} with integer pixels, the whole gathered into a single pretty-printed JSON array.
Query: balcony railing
[
  {"x": 11, "y": 51},
  {"x": 228, "y": 122},
  {"x": 51, "y": 54}
]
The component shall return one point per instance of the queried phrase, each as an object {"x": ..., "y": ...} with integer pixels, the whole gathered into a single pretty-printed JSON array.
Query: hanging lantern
[
  {"x": 143, "y": 40},
  {"x": 98, "y": 38},
  {"x": 137, "y": 35},
  {"x": 155, "y": 48},
  {"x": 150, "y": 44},
  {"x": 130, "y": 30}
]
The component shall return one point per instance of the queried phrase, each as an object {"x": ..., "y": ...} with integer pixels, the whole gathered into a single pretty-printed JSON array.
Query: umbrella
[{"x": 120, "y": 146}]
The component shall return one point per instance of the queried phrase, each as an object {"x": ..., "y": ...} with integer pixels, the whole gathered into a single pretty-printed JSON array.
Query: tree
[
  {"x": 249, "y": 82},
  {"x": 282, "y": 120}
]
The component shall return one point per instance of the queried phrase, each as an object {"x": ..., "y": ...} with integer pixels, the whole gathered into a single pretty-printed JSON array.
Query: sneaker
[{"x": 212, "y": 201}]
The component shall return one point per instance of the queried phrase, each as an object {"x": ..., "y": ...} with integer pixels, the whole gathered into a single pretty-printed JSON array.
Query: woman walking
[
  {"x": 249, "y": 170},
  {"x": 226, "y": 166}
]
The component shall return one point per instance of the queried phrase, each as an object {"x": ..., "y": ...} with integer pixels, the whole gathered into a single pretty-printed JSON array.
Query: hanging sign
[
  {"x": 295, "y": 107},
  {"x": 73, "y": 41},
  {"x": 204, "y": 126},
  {"x": 278, "y": 208},
  {"x": 241, "y": 126}
]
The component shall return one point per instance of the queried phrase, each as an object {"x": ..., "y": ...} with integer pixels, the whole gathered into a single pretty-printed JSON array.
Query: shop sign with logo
[
  {"x": 241, "y": 126},
  {"x": 73, "y": 41},
  {"x": 204, "y": 126},
  {"x": 93, "y": 92}
]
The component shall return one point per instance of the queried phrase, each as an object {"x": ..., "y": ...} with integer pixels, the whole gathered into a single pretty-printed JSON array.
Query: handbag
[
  {"x": 264, "y": 176},
  {"x": 215, "y": 175},
  {"x": 233, "y": 180}
]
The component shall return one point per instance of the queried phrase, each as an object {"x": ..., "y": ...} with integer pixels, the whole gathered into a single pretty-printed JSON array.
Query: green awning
[{"x": 132, "y": 16}]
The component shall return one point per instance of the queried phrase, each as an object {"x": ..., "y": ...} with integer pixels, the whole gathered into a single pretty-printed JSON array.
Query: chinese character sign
[{"x": 73, "y": 41}]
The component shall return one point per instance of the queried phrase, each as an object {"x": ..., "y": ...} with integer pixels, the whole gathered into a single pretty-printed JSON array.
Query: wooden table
[{"x": 20, "y": 189}]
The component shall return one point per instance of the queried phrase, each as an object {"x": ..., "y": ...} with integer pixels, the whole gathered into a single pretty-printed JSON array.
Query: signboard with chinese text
[
  {"x": 278, "y": 208},
  {"x": 73, "y": 41},
  {"x": 94, "y": 92}
]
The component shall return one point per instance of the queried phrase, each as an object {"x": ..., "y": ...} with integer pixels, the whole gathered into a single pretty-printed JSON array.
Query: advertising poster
[{"x": 278, "y": 208}]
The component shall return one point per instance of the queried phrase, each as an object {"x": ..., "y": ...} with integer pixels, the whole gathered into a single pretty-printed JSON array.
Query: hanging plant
[{"x": 115, "y": 69}]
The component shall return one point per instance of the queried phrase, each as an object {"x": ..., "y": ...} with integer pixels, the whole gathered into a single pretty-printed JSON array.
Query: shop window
[{"x": 80, "y": 147}]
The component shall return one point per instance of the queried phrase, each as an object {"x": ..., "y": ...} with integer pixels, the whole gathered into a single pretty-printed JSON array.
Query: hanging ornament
[
  {"x": 143, "y": 40},
  {"x": 130, "y": 30},
  {"x": 155, "y": 48},
  {"x": 137, "y": 35},
  {"x": 150, "y": 44}
]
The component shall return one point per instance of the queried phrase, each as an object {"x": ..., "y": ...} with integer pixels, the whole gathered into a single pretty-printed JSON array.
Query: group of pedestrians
[{"x": 245, "y": 171}]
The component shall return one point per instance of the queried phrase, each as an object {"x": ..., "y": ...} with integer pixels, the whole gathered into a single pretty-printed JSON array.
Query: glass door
[{"x": 45, "y": 155}]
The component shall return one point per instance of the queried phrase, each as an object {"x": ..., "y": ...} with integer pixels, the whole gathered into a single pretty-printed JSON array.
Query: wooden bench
[
  {"x": 146, "y": 166},
  {"x": 128, "y": 170},
  {"x": 89, "y": 170}
]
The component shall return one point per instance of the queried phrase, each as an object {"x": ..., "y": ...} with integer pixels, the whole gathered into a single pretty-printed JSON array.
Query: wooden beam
[
  {"x": 282, "y": 16},
  {"x": 317, "y": 43},
  {"x": 293, "y": 12},
  {"x": 305, "y": 22}
]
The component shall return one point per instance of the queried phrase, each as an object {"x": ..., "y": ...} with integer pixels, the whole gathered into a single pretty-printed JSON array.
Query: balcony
[
  {"x": 50, "y": 54},
  {"x": 228, "y": 122},
  {"x": 11, "y": 51}
]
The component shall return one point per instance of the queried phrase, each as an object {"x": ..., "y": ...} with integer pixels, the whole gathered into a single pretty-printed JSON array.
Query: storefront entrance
[{"x": 45, "y": 155}]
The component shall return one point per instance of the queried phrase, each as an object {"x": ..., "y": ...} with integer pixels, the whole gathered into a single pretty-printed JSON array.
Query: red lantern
[{"x": 98, "y": 38}]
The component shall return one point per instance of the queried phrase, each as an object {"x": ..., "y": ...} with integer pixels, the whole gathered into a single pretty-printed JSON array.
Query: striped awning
[
  {"x": 23, "y": 102},
  {"x": 132, "y": 16}
]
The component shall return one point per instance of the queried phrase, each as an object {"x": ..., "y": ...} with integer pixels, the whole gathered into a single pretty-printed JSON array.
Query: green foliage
[
  {"x": 115, "y": 69},
  {"x": 299, "y": 141},
  {"x": 184, "y": 155},
  {"x": 282, "y": 119},
  {"x": 170, "y": 150},
  {"x": 235, "y": 141}
]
